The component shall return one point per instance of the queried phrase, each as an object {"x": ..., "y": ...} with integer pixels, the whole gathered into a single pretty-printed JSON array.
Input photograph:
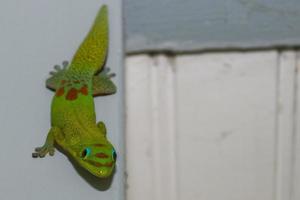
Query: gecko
[{"x": 73, "y": 119}]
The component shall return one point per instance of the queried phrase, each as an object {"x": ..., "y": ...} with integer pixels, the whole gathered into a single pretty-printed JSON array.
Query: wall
[
  {"x": 36, "y": 35},
  {"x": 192, "y": 25},
  {"x": 212, "y": 99},
  {"x": 219, "y": 125}
]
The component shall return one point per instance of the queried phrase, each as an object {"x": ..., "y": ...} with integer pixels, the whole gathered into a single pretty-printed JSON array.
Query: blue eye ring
[
  {"x": 86, "y": 152},
  {"x": 114, "y": 155}
]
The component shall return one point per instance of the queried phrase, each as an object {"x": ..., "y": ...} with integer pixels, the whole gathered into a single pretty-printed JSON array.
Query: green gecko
[{"x": 73, "y": 118}]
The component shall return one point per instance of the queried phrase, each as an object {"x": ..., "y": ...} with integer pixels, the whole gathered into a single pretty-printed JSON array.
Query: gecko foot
[
  {"x": 105, "y": 73},
  {"x": 58, "y": 69},
  {"x": 43, "y": 151}
]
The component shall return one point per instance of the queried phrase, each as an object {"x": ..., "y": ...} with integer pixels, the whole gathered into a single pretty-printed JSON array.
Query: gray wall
[
  {"x": 35, "y": 35},
  {"x": 190, "y": 25}
]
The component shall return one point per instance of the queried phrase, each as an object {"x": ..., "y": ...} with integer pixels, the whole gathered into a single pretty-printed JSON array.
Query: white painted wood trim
[
  {"x": 285, "y": 124},
  {"x": 151, "y": 89},
  {"x": 153, "y": 133},
  {"x": 296, "y": 136}
]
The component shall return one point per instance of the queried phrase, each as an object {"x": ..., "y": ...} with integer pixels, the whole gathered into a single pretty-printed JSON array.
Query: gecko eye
[
  {"x": 86, "y": 152},
  {"x": 114, "y": 155}
]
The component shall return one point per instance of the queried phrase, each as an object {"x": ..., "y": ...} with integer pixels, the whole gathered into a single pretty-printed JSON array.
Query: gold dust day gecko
[{"x": 73, "y": 119}]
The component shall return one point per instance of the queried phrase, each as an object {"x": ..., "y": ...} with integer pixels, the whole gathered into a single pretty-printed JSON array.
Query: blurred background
[{"x": 212, "y": 99}]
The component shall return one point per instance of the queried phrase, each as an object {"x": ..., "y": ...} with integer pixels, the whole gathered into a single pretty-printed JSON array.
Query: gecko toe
[
  {"x": 65, "y": 64},
  {"x": 51, "y": 152},
  {"x": 52, "y": 73},
  {"x": 35, "y": 155},
  {"x": 57, "y": 67},
  {"x": 111, "y": 75},
  {"x": 37, "y": 149},
  {"x": 106, "y": 70},
  {"x": 106, "y": 73},
  {"x": 43, "y": 151}
]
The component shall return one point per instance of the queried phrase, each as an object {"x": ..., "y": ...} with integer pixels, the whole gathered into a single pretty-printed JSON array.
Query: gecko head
[{"x": 99, "y": 159}]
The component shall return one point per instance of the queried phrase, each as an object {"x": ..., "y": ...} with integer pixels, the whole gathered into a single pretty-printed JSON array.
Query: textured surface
[
  {"x": 93, "y": 50},
  {"x": 192, "y": 25},
  {"x": 35, "y": 36},
  {"x": 213, "y": 126}
]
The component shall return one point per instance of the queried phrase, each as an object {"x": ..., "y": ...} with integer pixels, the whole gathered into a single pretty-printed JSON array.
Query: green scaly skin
[{"x": 73, "y": 119}]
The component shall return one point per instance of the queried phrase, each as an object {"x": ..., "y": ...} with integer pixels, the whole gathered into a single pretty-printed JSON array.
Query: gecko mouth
[{"x": 97, "y": 164}]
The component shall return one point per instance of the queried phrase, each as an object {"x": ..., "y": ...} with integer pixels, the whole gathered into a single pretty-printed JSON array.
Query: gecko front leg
[
  {"x": 48, "y": 147},
  {"x": 102, "y": 128}
]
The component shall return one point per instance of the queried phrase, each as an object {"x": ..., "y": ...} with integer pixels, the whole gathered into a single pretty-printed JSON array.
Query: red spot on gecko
[
  {"x": 109, "y": 164},
  {"x": 60, "y": 92},
  {"x": 84, "y": 90},
  {"x": 72, "y": 94},
  {"x": 63, "y": 81},
  {"x": 101, "y": 155}
]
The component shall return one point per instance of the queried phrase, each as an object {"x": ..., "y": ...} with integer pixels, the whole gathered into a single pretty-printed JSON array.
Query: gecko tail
[{"x": 92, "y": 53}]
